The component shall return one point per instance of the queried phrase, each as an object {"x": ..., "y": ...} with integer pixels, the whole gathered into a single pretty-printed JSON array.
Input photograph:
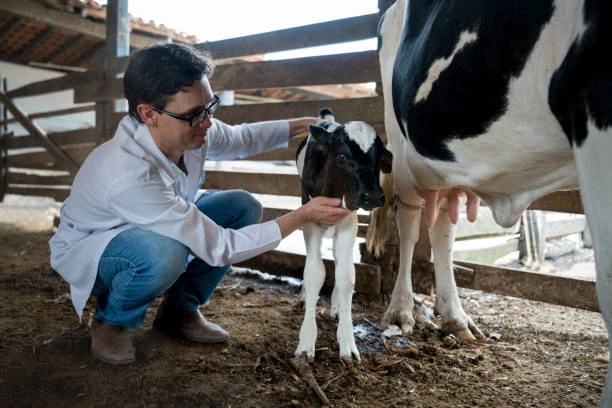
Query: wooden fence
[{"x": 49, "y": 169}]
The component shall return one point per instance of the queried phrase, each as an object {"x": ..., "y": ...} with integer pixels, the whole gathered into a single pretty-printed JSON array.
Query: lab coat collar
[{"x": 144, "y": 138}]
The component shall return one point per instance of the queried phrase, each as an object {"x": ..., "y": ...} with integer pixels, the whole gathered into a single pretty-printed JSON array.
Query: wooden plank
[
  {"x": 321, "y": 70},
  {"x": 561, "y": 228},
  {"x": 257, "y": 183},
  {"x": 561, "y": 201},
  {"x": 59, "y": 112},
  {"x": 41, "y": 159},
  {"x": 59, "y": 194},
  {"x": 74, "y": 22},
  {"x": 368, "y": 109},
  {"x": 338, "y": 31},
  {"x": 541, "y": 287},
  {"x": 62, "y": 139},
  {"x": 39, "y": 179},
  {"x": 367, "y": 277},
  {"x": 62, "y": 159},
  {"x": 3, "y": 159},
  {"x": 350, "y": 29}
]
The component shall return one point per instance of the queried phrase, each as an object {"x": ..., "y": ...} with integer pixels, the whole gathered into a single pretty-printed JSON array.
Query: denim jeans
[{"x": 138, "y": 265}]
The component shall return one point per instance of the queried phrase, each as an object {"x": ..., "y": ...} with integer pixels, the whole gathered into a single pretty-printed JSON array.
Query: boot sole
[
  {"x": 112, "y": 362},
  {"x": 205, "y": 341}
]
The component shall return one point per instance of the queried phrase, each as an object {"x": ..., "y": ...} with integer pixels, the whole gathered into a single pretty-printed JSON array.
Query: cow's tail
[{"x": 379, "y": 228}]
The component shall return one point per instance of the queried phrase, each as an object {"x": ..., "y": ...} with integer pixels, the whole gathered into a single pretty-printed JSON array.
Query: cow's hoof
[
  {"x": 463, "y": 329},
  {"x": 351, "y": 360},
  {"x": 305, "y": 356},
  {"x": 402, "y": 318}
]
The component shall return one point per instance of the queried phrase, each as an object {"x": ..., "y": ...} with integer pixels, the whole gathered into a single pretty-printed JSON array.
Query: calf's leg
[
  {"x": 314, "y": 276},
  {"x": 346, "y": 231}
]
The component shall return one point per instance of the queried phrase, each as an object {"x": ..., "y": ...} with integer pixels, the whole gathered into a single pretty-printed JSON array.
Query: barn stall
[{"x": 43, "y": 164}]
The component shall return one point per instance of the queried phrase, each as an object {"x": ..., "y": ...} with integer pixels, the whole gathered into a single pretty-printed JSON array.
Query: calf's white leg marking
[
  {"x": 314, "y": 276},
  {"x": 344, "y": 240}
]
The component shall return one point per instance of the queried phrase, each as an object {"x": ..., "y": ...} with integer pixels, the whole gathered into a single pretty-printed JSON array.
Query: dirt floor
[{"x": 537, "y": 355}]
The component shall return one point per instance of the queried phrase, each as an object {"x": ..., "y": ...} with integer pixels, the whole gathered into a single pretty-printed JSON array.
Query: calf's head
[{"x": 346, "y": 163}]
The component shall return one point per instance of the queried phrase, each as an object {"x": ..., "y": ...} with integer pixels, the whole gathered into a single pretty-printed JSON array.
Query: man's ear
[{"x": 147, "y": 114}]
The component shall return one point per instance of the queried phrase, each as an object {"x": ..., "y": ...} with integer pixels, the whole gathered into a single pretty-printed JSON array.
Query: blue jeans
[{"x": 138, "y": 265}]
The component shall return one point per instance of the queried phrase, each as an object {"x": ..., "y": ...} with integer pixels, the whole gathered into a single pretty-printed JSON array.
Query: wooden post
[
  {"x": 3, "y": 151},
  {"x": 117, "y": 45},
  {"x": 532, "y": 239}
]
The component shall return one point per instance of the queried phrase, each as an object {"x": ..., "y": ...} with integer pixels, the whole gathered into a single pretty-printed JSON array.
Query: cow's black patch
[
  {"x": 582, "y": 85},
  {"x": 472, "y": 92}
]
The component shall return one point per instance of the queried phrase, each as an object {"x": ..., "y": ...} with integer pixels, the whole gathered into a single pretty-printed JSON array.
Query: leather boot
[
  {"x": 196, "y": 328},
  {"x": 191, "y": 325},
  {"x": 111, "y": 344}
]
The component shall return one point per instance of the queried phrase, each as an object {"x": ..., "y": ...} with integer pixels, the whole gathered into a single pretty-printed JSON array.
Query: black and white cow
[
  {"x": 342, "y": 161},
  {"x": 503, "y": 100}
]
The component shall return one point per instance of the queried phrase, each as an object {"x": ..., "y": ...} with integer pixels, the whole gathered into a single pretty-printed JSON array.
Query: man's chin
[{"x": 199, "y": 140}]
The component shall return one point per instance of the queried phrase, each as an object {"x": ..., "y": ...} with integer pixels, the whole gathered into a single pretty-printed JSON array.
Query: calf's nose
[{"x": 372, "y": 200}]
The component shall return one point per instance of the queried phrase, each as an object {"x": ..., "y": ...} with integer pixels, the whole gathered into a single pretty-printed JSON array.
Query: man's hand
[
  {"x": 322, "y": 210},
  {"x": 298, "y": 128},
  {"x": 325, "y": 210}
]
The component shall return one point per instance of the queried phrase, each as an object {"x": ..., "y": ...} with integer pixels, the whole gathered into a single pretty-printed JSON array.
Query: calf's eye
[{"x": 340, "y": 158}]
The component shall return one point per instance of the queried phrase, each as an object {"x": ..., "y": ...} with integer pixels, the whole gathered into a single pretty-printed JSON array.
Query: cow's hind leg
[
  {"x": 454, "y": 320},
  {"x": 314, "y": 276},
  {"x": 346, "y": 231}
]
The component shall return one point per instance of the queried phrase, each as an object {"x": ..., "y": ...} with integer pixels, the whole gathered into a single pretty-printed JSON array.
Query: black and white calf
[
  {"x": 342, "y": 161},
  {"x": 504, "y": 100}
]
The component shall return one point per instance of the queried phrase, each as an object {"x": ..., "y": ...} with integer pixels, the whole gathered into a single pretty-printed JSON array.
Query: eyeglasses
[{"x": 196, "y": 119}]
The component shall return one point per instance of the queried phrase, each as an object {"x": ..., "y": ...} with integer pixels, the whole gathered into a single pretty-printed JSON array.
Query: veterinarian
[{"x": 136, "y": 224}]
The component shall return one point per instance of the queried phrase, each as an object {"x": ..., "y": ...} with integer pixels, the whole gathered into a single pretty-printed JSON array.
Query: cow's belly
[{"x": 514, "y": 163}]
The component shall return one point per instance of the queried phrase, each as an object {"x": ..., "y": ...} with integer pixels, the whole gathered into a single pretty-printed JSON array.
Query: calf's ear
[
  {"x": 321, "y": 135},
  {"x": 386, "y": 161}
]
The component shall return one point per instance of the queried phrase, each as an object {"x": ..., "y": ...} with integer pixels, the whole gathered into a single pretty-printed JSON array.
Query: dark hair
[{"x": 157, "y": 72}]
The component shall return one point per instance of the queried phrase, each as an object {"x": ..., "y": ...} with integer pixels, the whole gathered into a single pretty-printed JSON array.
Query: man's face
[{"x": 174, "y": 136}]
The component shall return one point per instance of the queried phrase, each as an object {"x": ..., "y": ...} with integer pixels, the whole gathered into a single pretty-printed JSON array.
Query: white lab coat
[{"x": 128, "y": 182}]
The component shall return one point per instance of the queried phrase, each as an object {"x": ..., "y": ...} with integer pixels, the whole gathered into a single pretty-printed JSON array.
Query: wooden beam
[
  {"x": 44, "y": 161},
  {"x": 58, "y": 84},
  {"x": 338, "y": 31},
  {"x": 561, "y": 201},
  {"x": 540, "y": 287},
  {"x": 369, "y": 109},
  {"x": 32, "y": 44},
  {"x": 39, "y": 179},
  {"x": 258, "y": 183},
  {"x": 35, "y": 10},
  {"x": 58, "y": 194},
  {"x": 86, "y": 56},
  {"x": 67, "y": 48},
  {"x": 35, "y": 130},
  {"x": 367, "y": 277},
  {"x": 62, "y": 139},
  {"x": 7, "y": 28},
  {"x": 59, "y": 112},
  {"x": 117, "y": 45},
  {"x": 320, "y": 70}
]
